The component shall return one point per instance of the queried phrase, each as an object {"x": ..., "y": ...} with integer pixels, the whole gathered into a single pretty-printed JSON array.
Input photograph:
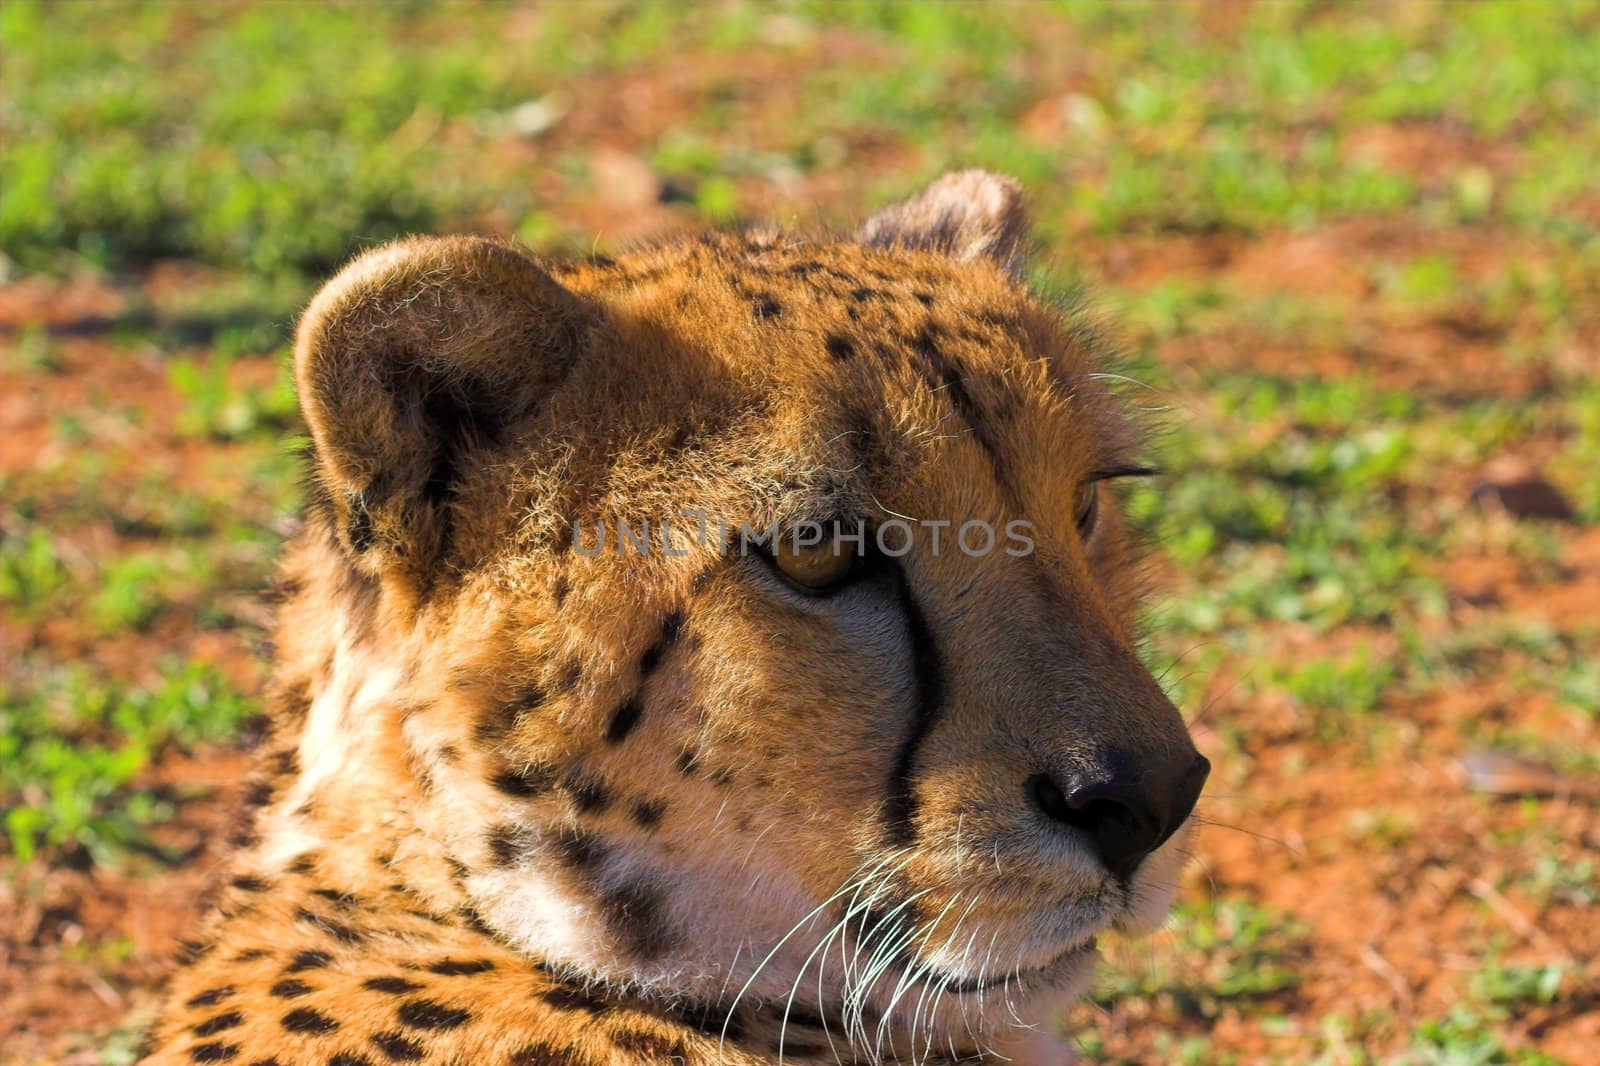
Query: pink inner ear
[{"x": 966, "y": 214}]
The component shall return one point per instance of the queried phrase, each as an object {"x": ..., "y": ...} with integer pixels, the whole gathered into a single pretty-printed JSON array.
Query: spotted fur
[{"x": 524, "y": 804}]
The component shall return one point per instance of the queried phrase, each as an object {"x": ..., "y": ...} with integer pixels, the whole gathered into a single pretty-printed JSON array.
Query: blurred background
[{"x": 1351, "y": 251}]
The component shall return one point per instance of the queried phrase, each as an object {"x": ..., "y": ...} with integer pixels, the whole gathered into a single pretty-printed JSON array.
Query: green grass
[
  {"x": 239, "y": 155},
  {"x": 72, "y": 750},
  {"x": 1222, "y": 950}
]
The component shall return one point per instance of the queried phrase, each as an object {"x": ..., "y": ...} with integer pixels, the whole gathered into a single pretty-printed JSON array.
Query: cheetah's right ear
[
  {"x": 966, "y": 214},
  {"x": 411, "y": 360}
]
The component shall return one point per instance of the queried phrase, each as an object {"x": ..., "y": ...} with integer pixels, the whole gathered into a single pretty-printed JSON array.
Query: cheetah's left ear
[
  {"x": 412, "y": 365},
  {"x": 967, "y": 214}
]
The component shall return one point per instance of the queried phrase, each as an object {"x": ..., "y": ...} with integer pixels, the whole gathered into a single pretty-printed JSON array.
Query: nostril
[
  {"x": 1048, "y": 797},
  {"x": 1114, "y": 815},
  {"x": 1082, "y": 807}
]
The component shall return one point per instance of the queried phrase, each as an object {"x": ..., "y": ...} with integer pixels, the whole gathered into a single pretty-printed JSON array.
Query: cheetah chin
[{"x": 721, "y": 654}]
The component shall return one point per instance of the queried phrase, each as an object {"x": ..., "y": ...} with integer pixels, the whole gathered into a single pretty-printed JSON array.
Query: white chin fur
[
  {"x": 1156, "y": 886},
  {"x": 1034, "y": 1039}
]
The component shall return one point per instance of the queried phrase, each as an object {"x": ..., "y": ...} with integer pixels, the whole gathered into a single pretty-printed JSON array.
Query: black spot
[
  {"x": 289, "y": 988},
  {"x": 342, "y": 900},
  {"x": 308, "y": 960},
  {"x": 306, "y": 1020},
  {"x": 398, "y": 1047},
  {"x": 213, "y": 1052},
  {"x": 251, "y": 954},
  {"x": 348, "y": 1058},
  {"x": 212, "y": 1026},
  {"x": 765, "y": 306},
  {"x": 210, "y": 997},
  {"x": 688, "y": 762},
  {"x": 623, "y": 719},
  {"x": 392, "y": 985},
  {"x": 471, "y": 920},
  {"x": 359, "y": 531},
  {"x": 497, "y": 719},
  {"x": 647, "y": 813},
  {"x": 545, "y": 1055},
  {"x": 671, "y": 626},
  {"x": 862, "y": 294},
  {"x": 265, "y": 1062},
  {"x": 257, "y": 795},
  {"x": 525, "y": 781},
  {"x": 243, "y": 835},
  {"x": 581, "y": 851},
  {"x": 304, "y": 864},
  {"x": 590, "y": 795},
  {"x": 426, "y": 1014},
  {"x": 633, "y": 911},
  {"x": 429, "y": 916},
  {"x": 460, "y": 967},
  {"x": 924, "y": 298},
  {"x": 361, "y": 593},
  {"x": 249, "y": 884},
  {"x": 799, "y": 1016},
  {"x": 651, "y": 1047},
  {"x": 504, "y": 844},
  {"x": 340, "y": 932},
  {"x": 564, "y": 997},
  {"x": 839, "y": 346},
  {"x": 711, "y": 1020}
]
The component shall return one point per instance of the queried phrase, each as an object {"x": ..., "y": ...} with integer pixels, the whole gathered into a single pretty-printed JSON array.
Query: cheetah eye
[
  {"x": 817, "y": 567},
  {"x": 1088, "y": 506}
]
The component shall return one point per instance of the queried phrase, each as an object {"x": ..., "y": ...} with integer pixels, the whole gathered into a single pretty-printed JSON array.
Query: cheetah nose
[{"x": 1127, "y": 810}]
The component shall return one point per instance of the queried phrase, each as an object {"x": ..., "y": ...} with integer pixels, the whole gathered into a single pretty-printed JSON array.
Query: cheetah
[{"x": 803, "y": 777}]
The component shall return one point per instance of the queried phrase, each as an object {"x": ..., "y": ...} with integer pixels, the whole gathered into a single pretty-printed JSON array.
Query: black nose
[{"x": 1127, "y": 812}]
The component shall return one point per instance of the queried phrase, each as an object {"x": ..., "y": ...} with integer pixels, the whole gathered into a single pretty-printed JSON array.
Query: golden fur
[{"x": 526, "y": 803}]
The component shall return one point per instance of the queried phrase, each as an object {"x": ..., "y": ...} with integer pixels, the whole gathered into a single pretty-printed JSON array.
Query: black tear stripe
[
  {"x": 623, "y": 719},
  {"x": 900, "y": 810}
]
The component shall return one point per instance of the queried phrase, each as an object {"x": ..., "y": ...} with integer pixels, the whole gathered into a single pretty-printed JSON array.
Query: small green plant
[
  {"x": 30, "y": 572},
  {"x": 1224, "y": 950},
  {"x": 72, "y": 751},
  {"x": 129, "y": 593},
  {"x": 1556, "y": 880},
  {"x": 216, "y": 407},
  {"x": 1467, "y": 1038},
  {"x": 1503, "y": 985}
]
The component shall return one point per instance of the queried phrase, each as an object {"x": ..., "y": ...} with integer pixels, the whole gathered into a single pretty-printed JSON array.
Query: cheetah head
[{"x": 747, "y": 618}]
